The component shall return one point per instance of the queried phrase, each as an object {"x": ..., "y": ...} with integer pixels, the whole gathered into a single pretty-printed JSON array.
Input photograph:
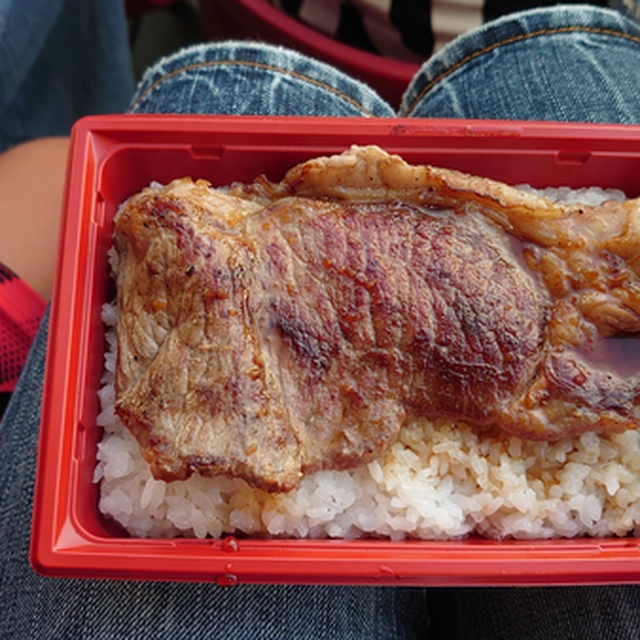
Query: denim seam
[
  {"x": 245, "y": 63},
  {"x": 512, "y": 40}
]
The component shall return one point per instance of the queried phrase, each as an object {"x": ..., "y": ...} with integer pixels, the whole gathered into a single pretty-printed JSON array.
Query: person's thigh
[
  {"x": 605, "y": 612},
  {"x": 35, "y": 607},
  {"x": 249, "y": 78},
  {"x": 567, "y": 63},
  {"x": 60, "y": 60},
  {"x": 562, "y": 64}
]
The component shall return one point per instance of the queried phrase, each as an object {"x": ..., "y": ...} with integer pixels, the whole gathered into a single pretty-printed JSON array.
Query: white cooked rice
[{"x": 439, "y": 481}]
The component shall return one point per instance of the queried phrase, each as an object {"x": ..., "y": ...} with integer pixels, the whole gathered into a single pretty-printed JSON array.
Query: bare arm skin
[{"x": 31, "y": 183}]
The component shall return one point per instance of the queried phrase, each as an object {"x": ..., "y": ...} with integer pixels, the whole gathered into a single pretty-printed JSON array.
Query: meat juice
[{"x": 619, "y": 354}]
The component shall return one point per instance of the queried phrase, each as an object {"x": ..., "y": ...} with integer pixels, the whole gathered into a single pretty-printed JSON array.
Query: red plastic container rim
[{"x": 67, "y": 537}]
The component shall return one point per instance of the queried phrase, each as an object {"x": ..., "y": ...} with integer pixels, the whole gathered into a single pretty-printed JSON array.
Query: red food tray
[{"x": 114, "y": 156}]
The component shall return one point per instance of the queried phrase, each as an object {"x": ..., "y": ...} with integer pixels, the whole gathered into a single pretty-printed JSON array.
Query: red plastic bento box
[{"x": 111, "y": 158}]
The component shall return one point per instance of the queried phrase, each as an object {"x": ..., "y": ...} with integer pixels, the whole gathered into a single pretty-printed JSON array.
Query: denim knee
[
  {"x": 252, "y": 78},
  {"x": 567, "y": 63}
]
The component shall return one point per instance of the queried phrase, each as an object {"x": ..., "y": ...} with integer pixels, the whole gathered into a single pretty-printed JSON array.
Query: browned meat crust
[{"x": 278, "y": 329}]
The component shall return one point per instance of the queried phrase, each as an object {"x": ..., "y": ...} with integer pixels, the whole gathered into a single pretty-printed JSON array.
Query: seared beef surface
[{"x": 276, "y": 329}]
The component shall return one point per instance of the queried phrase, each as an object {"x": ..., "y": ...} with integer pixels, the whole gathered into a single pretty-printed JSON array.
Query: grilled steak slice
[{"x": 281, "y": 328}]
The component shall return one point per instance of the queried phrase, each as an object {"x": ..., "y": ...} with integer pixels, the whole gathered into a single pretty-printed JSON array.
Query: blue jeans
[
  {"x": 563, "y": 64},
  {"x": 575, "y": 63},
  {"x": 60, "y": 60}
]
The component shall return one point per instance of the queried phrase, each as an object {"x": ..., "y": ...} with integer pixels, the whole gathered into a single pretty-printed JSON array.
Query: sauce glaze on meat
[{"x": 281, "y": 328}]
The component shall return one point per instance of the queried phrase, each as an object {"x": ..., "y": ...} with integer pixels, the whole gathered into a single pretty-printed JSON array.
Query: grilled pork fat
[{"x": 277, "y": 329}]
